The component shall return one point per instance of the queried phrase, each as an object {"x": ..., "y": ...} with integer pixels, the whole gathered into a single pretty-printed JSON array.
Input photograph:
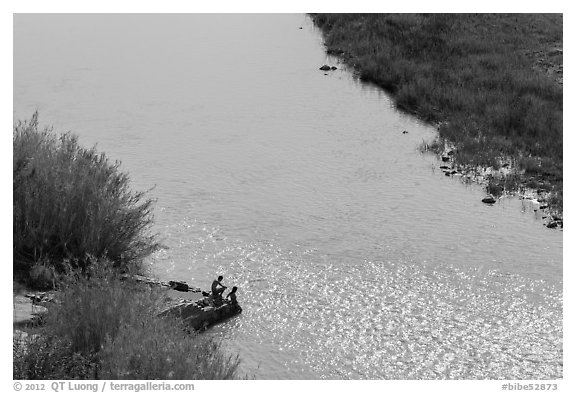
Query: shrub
[
  {"x": 70, "y": 202},
  {"x": 530, "y": 165},
  {"x": 42, "y": 275}
]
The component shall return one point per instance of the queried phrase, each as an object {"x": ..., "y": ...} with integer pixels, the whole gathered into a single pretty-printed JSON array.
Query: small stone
[
  {"x": 325, "y": 67},
  {"x": 333, "y": 68},
  {"x": 489, "y": 199},
  {"x": 404, "y": 132},
  {"x": 445, "y": 158},
  {"x": 552, "y": 224}
]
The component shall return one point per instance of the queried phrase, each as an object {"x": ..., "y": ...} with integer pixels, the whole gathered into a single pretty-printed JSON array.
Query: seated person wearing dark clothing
[{"x": 232, "y": 296}]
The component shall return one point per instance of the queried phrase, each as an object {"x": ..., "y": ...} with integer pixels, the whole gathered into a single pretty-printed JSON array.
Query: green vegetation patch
[{"x": 478, "y": 76}]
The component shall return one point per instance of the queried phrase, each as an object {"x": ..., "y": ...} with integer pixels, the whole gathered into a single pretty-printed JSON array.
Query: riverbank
[
  {"x": 492, "y": 84},
  {"x": 108, "y": 326},
  {"x": 80, "y": 230}
]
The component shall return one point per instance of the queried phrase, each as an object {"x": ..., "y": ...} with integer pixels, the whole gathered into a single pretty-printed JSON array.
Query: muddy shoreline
[{"x": 490, "y": 179}]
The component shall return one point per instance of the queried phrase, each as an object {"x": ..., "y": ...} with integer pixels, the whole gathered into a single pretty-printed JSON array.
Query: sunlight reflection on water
[{"x": 381, "y": 319}]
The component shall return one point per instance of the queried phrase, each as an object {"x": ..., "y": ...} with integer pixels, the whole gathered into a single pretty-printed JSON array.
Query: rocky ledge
[
  {"x": 180, "y": 286},
  {"x": 202, "y": 313},
  {"x": 198, "y": 310}
]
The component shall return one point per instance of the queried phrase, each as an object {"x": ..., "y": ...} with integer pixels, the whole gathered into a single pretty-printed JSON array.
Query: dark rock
[
  {"x": 444, "y": 167},
  {"x": 404, "y": 132},
  {"x": 325, "y": 67},
  {"x": 552, "y": 224},
  {"x": 202, "y": 313},
  {"x": 41, "y": 297},
  {"x": 450, "y": 153},
  {"x": 489, "y": 199},
  {"x": 179, "y": 286},
  {"x": 333, "y": 68},
  {"x": 447, "y": 173},
  {"x": 445, "y": 158}
]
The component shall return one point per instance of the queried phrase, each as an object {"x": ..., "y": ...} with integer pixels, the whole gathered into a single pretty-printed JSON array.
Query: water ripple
[{"x": 308, "y": 318}]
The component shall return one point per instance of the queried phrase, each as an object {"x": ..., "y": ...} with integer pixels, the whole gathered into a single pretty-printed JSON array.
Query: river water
[{"x": 354, "y": 255}]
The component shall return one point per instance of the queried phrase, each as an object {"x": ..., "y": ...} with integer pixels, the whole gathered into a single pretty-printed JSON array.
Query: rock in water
[
  {"x": 489, "y": 199},
  {"x": 199, "y": 315},
  {"x": 179, "y": 286},
  {"x": 325, "y": 67}
]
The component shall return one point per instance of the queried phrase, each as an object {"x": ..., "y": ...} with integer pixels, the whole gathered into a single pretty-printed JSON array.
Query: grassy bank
[
  {"x": 492, "y": 84},
  {"x": 102, "y": 327},
  {"x": 77, "y": 227}
]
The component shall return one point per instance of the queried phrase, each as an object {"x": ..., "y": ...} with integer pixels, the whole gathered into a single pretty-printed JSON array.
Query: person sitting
[
  {"x": 218, "y": 288},
  {"x": 232, "y": 296}
]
